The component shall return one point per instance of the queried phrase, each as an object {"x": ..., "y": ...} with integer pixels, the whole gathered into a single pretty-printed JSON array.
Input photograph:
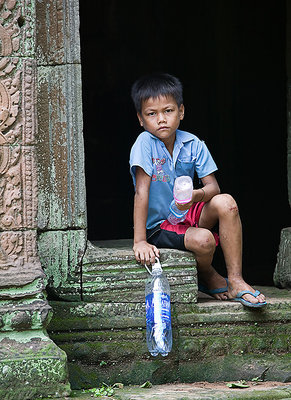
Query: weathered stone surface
[
  {"x": 57, "y": 39},
  {"x": 34, "y": 314},
  {"x": 61, "y": 254},
  {"x": 111, "y": 274},
  {"x": 17, "y": 29},
  {"x": 18, "y": 103},
  {"x": 32, "y": 367},
  {"x": 18, "y": 260},
  {"x": 236, "y": 367},
  {"x": 61, "y": 176},
  {"x": 87, "y": 316},
  {"x": 107, "y": 341},
  {"x": 282, "y": 274},
  {"x": 199, "y": 391},
  {"x": 19, "y": 263},
  {"x": 24, "y": 367}
]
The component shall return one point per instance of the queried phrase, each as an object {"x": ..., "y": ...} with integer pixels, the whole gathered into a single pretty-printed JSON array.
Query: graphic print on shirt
[{"x": 160, "y": 175}]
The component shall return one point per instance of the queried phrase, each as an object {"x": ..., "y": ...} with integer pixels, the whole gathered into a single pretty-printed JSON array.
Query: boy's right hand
[{"x": 145, "y": 253}]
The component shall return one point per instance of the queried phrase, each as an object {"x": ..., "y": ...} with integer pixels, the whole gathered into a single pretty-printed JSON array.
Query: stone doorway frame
[
  {"x": 42, "y": 179},
  {"x": 42, "y": 184}
]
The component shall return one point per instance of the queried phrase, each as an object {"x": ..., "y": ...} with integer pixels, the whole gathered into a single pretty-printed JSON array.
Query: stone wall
[{"x": 30, "y": 363}]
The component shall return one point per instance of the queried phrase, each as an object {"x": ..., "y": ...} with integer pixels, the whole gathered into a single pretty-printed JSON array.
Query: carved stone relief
[
  {"x": 18, "y": 190},
  {"x": 17, "y": 27}
]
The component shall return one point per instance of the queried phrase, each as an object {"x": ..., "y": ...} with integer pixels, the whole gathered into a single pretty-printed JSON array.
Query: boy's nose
[{"x": 161, "y": 118}]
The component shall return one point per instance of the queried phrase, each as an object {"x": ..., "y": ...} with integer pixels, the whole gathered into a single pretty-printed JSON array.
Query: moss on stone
[{"x": 31, "y": 368}]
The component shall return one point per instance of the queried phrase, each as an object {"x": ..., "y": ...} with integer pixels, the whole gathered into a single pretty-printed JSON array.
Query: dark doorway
[{"x": 230, "y": 56}]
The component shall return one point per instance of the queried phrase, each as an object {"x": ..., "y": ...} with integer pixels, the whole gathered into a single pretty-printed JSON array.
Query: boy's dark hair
[{"x": 155, "y": 85}]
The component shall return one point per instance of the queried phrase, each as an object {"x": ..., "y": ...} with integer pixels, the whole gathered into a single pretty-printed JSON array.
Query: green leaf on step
[
  {"x": 118, "y": 385},
  {"x": 146, "y": 385},
  {"x": 238, "y": 385}
]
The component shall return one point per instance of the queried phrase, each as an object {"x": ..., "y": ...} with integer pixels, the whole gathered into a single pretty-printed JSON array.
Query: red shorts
[{"x": 172, "y": 236}]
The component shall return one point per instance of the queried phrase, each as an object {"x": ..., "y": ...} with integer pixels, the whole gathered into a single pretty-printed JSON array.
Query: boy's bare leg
[
  {"x": 201, "y": 242},
  {"x": 223, "y": 208}
]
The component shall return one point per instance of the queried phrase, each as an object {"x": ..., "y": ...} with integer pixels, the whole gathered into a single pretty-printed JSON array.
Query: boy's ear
[
  {"x": 181, "y": 111},
  {"x": 140, "y": 119}
]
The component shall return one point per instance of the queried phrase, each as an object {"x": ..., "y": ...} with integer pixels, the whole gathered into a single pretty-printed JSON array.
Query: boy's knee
[
  {"x": 226, "y": 204},
  {"x": 202, "y": 242}
]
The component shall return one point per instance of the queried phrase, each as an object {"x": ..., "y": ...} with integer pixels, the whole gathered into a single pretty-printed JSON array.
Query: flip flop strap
[
  {"x": 256, "y": 294},
  {"x": 204, "y": 289}
]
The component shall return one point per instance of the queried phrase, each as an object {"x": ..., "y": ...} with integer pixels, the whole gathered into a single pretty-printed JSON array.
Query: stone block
[
  {"x": 17, "y": 29},
  {"x": 97, "y": 316},
  {"x": 159, "y": 371},
  {"x": 57, "y": 37},
  {"x": 61, "y": 254},
  {"x": 18, "y": 103},
  {"x": 282, "y": 274},
  {"x": 32, "y": 367},
  {"x": 19, "y": 264},
  {"x": 237, "y": 367},
  {"x": 204, "y": 391},
  {"x": 18, "y": 315},
  {"x": 61, "y": 174},
  {"x": 110, "y": 273}
]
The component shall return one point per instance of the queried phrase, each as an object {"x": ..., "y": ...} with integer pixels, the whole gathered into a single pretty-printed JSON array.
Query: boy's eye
[
  {"x": 169, "y": 110},
  {"x": 151, "y": 113}
]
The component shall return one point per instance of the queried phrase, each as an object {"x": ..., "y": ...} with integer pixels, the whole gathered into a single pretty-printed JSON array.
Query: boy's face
[{"x": 161, "y": 116}]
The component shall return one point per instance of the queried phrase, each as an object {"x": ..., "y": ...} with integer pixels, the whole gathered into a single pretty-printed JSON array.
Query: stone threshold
[{"x": 196, "y": 391}]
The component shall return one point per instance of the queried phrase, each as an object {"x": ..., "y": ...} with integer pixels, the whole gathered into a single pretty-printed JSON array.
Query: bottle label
[
  {"x": 176, "y": 212},
  {"x": 158, "y": 308}
]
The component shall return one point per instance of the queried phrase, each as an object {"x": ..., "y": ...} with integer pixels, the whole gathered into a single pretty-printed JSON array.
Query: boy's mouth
[{"x": 163, "y": 127}]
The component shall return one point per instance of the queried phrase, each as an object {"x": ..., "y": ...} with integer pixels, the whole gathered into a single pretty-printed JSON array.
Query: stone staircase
[{"x": 104, "y": 333}]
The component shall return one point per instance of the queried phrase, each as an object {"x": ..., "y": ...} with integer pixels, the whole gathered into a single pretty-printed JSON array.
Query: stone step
[
  {"x": 201, "y": 391},
  {"x": 110, "y": 273},
  {"x": 107, "y": 342}
]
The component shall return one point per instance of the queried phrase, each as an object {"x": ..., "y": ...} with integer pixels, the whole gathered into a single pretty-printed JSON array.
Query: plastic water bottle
[
  {"x": 158, "y": 312},
  {"x": 183, "y": 188},
  {"x": 175, "y": 216}
]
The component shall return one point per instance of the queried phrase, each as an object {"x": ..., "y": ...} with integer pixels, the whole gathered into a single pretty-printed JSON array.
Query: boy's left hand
[
  {"x": 183, "y": 207},
  {"x": 196, "y": 196}
]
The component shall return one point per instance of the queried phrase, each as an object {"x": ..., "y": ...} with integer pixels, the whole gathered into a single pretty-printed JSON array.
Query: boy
[{"x": 160, "y": 154}]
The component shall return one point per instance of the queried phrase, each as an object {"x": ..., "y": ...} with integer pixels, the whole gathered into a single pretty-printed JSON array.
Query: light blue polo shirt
[{"x": 190, "y": 154}]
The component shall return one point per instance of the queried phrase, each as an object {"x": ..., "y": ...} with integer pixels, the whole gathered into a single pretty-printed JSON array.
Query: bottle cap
[{"x": 156, "y": 267}]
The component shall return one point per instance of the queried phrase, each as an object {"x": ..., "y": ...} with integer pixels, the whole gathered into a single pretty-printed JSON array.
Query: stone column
[
  {"x": 282, "y": 274},
  {"x": 31, "y": 365},
  {"x": 62, "y": 199}
]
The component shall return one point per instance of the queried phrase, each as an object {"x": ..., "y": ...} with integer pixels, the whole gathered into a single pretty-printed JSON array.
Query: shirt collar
[{"x": 181, "y": 136}]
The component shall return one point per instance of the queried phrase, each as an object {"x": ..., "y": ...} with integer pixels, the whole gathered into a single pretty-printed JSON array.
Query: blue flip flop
[
  {"x": 248, "y": 303},
  {"x": 211, "y": 292}
]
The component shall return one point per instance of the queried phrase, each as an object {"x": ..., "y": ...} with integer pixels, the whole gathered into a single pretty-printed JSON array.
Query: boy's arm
[
  {"x": 143, "y": 251},
  {"x": 210, "y": 189}
]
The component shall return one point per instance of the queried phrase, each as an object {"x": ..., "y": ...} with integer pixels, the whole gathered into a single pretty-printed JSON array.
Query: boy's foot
[
  {"x": 212, "y": 292},
  {"x": 237, "y": 285},
  {"x": 213, "y": 283}
]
